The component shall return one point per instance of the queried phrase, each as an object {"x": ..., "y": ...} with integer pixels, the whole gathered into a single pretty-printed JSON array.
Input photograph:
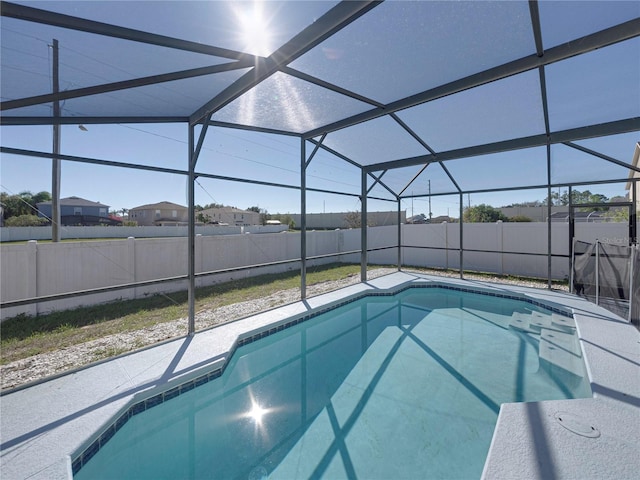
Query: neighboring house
[
  {"x": 228, "y": 216},
  {"x": 78, "y": 211},
  {"x": 633, "y": 174},
  {"x": 158, "y": 214}
]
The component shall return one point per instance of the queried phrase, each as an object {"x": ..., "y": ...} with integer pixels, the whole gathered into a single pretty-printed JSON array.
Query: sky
[
  {"x": 226, "y": 152},
  {"x": 276, "y": 159}
]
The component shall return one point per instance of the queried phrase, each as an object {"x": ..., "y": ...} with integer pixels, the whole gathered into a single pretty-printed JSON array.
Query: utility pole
[{"x": 55, "y": 169}]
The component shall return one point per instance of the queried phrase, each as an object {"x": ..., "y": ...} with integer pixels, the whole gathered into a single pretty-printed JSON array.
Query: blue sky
[
  {"x": 226, "y": 152},
  {"x": 590, "y": 88}
]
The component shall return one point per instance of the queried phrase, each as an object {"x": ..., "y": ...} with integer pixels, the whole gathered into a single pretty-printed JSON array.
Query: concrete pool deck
[{"x": 42, "y": 425}]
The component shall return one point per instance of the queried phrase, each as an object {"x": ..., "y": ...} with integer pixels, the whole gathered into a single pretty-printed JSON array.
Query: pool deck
[{"x": 43, "y": 425}]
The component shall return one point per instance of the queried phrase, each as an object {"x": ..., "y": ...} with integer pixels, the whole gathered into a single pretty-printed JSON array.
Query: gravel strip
[{"x": 51, "y": 363}]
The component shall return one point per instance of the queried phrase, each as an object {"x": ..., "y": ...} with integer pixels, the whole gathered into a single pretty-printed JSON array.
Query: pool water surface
[{"x": 401, "y": 386}]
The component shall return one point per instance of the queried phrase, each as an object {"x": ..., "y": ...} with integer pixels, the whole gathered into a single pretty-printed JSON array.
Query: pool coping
[{"x": 44, "y": 426}]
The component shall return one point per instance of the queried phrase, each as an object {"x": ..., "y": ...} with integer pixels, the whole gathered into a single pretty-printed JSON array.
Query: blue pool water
[{"x": 403, "y": 386}]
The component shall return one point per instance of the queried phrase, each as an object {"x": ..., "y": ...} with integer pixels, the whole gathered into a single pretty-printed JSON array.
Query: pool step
[
  {"x": 561, "y": 350},
  {"x": 568, "y": 323},
  {"x": 534, "y": 322},
  {"x": 522, "y": 322}
]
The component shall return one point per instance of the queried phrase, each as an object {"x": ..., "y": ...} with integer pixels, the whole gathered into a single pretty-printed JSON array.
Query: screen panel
[
  {"x": 375, "y": 141},
  {"x": 286, "y": 103},
  {"x": 504, "y": 109},
  {"x": 596, "y": 87},
  {"x": 440, "y": 42}
]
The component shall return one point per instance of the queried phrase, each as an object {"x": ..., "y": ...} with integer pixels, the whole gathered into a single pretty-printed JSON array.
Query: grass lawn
[{"x": 24, "y": 336}]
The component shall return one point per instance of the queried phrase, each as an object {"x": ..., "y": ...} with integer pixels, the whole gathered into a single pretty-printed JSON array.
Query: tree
[
  {"x": 617, "y": 215},
  {"x": 201, "y": 217},
  {"x": 41, "y": 197},
  {"x": 483, "y": 214},
  {"x": 24, "y": 203},
  {"x": 557, "y": 199},
  {"x": 352, "y": 219},
  {"x": 578, "y": 197},
  {"x": 264, "y": 215},
  {"x": 212, "y": 205},
  {"x": 533, "y": 203}
]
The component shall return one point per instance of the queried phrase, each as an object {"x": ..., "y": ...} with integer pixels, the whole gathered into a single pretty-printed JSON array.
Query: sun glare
[
  {"x": 254, "y": 28},
  {"x": 256, "y": 413}
]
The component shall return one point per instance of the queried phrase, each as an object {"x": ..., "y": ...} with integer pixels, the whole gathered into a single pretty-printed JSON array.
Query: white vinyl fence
[
  {"x": 16, "y": 234},
  {"x": 33, "y": 269}
]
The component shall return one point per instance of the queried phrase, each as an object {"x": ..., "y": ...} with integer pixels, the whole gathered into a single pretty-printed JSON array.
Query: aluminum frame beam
[
  {"x": 237, "y": 126},
  {"x": 31, "y": 14},
  {"x": 525, "y": 187},
  {"x": 191, "y": 229},
  {"x": 363, "y": 226},
  {"x": 303, "y": 219},
  {"x": 151, "y": 168},
  {"x": 94, "y": 161},
  {"x": 620, "y": 163},
  {"x": 91, "y": 120},
  {"x": 581, "y": 133},
  {"x": 122, "y": 85}
]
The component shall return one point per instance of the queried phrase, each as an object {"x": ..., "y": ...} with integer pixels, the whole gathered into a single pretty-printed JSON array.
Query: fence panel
[{"x": 34, "y": 269}]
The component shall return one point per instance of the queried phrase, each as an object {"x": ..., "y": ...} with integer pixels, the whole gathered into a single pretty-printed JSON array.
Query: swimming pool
[{"x": 401, "y": 386}]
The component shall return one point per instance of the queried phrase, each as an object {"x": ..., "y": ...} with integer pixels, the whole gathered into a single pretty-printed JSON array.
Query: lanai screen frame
[{"x": 262, "y": 68}]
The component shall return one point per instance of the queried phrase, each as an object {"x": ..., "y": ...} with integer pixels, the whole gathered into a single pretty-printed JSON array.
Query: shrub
[
  {"x": 25, "y": 221},
  {"x": 519, "y": 218}
]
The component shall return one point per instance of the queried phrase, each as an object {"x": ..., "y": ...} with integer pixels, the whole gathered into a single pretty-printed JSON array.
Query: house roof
[
  {"x": 76, "y": 202},
  {"x": 224, "y": 210},
  {"x": 160, "y": 206}
]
